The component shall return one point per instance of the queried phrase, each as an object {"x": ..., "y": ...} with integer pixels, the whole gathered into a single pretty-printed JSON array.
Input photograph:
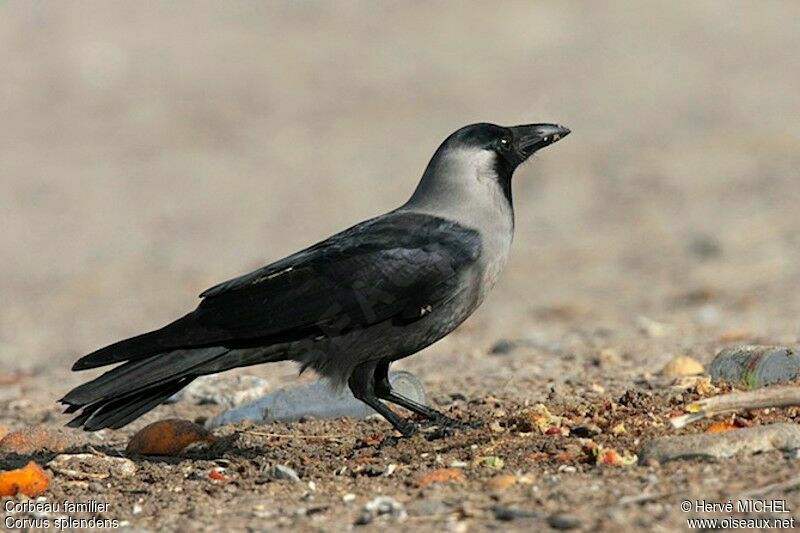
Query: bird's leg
[
  {"x": 362, "y": 385},
  {"x": 384, "y": 391}
]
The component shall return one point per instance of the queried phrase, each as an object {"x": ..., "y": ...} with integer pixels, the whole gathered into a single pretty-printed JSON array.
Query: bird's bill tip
[{"x": 533, "y": 137}]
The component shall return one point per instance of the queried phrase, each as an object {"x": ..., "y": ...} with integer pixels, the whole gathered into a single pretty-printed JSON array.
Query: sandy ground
[{"x": 147, "y": 152}]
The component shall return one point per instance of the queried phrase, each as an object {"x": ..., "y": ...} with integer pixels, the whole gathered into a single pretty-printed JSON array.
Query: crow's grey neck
[{"x": 463, "y": 186}]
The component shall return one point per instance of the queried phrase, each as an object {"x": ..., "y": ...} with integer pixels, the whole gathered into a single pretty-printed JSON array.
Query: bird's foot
[
  {"x": 444, "y": 426},
  {"x": 459, "y": 424},
  {"x": 407, "y": 428}
]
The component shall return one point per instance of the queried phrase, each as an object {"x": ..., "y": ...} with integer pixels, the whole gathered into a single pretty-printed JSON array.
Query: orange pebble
[
  {"x": 218, "y": 475},
  {"x": 720, "y": 426},
  {"x": 610, "y": 457},
  {"x": 30, "y": 481},
  {"x": 438, "y": 476},
  {"x": 167, "y": 437}
]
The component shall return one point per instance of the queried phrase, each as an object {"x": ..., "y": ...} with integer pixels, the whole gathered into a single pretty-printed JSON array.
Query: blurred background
[{"x": 149, "y": 150}]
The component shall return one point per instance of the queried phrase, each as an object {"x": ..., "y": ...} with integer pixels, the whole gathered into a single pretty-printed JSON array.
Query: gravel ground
[{"x": 150, "y": 151}]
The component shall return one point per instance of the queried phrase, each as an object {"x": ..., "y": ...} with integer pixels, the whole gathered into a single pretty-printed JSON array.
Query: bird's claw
[
  {"x": 438, "y": 428},
  {"x": 406, "y": 430},
  {"x": 445, "y": 426},
  {"x": 409, "y": 429}
]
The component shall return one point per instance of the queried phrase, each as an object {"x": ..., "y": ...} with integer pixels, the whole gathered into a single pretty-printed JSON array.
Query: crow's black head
[
  {"x": 513, "y": 145},
  {"x": 479, "y": 160}
]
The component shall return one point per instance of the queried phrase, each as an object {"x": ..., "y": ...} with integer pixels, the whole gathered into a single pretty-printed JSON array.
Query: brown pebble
[
  {"x": 34, "y": 439},
  {"x": 441, "y": 475},
  {"x": 167, "y": 437},
  {"x": 607, "y": 357},
  {"x": 501, "y": 482},
  {"x": 682, "y": 366}
]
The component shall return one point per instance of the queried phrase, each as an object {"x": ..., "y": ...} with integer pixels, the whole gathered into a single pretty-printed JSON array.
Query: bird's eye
[{"x": 505, "y": 143}]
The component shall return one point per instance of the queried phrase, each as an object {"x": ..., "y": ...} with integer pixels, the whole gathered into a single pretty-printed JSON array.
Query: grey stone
[
  {"x": 755, "y": 365},
  {"x": 757, "y": 439},
  {"x": 226, "y": 390},
  {"x": 381, "y": 505},
  {"x": 282, "y": 472},
  {"x": 563, "y": 522},
  {"x": 507, "y": 514}
]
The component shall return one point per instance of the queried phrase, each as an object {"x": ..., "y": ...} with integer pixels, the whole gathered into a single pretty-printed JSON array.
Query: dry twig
[{"x": 779, "y": 396}]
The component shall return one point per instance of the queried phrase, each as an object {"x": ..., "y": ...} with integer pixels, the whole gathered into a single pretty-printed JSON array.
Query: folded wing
[{"x": 387, "y": 268}]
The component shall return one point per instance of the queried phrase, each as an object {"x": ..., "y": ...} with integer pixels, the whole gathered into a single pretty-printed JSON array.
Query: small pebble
[
  {"x": 501, "y": 482},
  {"x": 226, "y": 390},
  {"x": 704, "y": 246},
  {"x": 503, "y": 347},
  {"x": 430, "y": 508},
  {"x": 283, "y": 472},
  {"x": 562, "y": 522},
  {"x": 507, "y": 514},
  {"x": 586, "y": 430},
  {"x": 682, "y": 366},
  {"x": 651, "y": 328},
  {"x": 496, "y": 427},
  {"x": 607, "y": 357},
  {"x": 381, "y": 505}
]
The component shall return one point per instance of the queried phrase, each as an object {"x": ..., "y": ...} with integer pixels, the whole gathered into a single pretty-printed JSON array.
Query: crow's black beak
[{"x": 532, "y": 137}]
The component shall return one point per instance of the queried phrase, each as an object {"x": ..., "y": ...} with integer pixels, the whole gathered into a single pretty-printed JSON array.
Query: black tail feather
[
  {"x": 124, "y": 416},
  {"x": 79, "y": 420},
  {"x": 128, "y": 391},
  {"x": 143, "y": 374},
  {"x": 144, "y": 345},
  {"x": 118, "y": 412}
]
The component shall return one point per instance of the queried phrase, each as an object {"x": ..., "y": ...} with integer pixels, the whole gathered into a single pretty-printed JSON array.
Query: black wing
[{"x": 389, "y": 267}]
